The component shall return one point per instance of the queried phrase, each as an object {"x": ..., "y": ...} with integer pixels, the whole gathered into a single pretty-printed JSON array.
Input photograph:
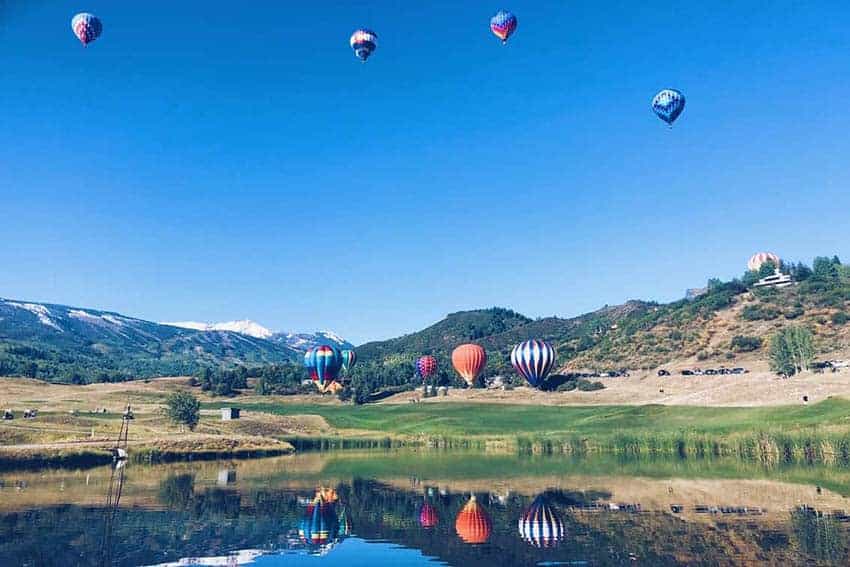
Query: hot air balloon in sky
[
  {"x": 469, "y": 360},
  {"x": 426, "y": 366},
  {"x": 533, "y": 360},
  {"x": 349, "y": 359},
  {"x": 328, "y": 362},
  {"x": 540, "y": 524},
  {"x": 757, "y": 260},
  {"x": 473, "y": 524},
  {"x": 428, "y": 517},
  {"x": 86, "y": 27},
  {"x": 668, "y": 104},
  {"x": 363, "y": 42},
  {"x": 503, "y": 25}
]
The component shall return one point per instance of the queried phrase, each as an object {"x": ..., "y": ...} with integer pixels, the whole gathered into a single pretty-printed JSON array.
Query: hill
[
  {"x": 71, "y": 344},
  {"x": 728, "y": 322}
]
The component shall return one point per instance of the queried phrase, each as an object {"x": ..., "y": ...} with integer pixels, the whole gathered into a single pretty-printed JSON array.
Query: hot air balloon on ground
[
  {"x": 503, "y": 25},
  {"x": 668, "y": 104},
  {"x": 757, "y": 260},
  {"x": 540, "y": 524},
  {"x": 328, "y": 362},
  {"x": 533, "y": 360},
  {"x": 363, "y": 42},
  {"x": 426, "y": 366},
  {"x": 310, "y": 363},
  {"x": 428, "y": 517},
  {"x": 86, "y": 27},
  {"x": 469, "y": 360},
  {"x": 349, "y": 359},
  {"x": 473, "y": 524}
]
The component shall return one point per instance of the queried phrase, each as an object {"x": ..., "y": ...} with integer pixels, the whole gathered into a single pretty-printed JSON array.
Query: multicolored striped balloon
[
  {"x": 426, "y": 366},
  {"x": 328, "y": 362},
  {"x": 533, "y": 360},
  {"x": 86, "y": 27},
  {"x": 320, "y": 525},
  {"x": 668, "y": 104},
  {"x": 310, "y": 363},
  {"x": 349, "y": 359},
  {"x": 363, "y": 42},
  {"x": 469, "y": 360},
  {"x": 540, "y": 525},
  {"x": 428, "y": 517},
  {"x": 503, "y": 25},
  {"x": 755, "y": 262}
]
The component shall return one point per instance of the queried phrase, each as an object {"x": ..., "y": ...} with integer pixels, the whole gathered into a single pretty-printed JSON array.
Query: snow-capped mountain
[
  {"x": 244, "y": 327},
  {"x": 303, "y": 341}
]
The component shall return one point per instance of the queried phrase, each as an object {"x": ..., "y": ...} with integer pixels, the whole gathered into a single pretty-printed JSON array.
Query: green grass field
[{"x": 496, "y": 420}]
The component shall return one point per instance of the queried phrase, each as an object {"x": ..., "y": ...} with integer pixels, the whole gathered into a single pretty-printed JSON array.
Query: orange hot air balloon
[
  {"x": 469, "y": 360},
  {"x": 473, "y": 525}
]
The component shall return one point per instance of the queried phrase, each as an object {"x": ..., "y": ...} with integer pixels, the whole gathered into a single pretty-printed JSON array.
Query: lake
[{"x": 427, "y": 508}]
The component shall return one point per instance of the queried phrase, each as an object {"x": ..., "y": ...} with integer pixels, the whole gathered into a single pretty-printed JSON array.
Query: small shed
[{"x": 229, "y": 413}]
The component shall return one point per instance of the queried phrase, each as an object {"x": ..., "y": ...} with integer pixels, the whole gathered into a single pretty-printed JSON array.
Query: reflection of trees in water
[
  {"x": 819, "y": 535},
  {"x": 213, "y": 521}
]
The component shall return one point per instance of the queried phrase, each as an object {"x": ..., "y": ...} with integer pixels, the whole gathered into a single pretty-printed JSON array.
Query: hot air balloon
[
  {"x": 426, "y": 366},
  {"x": 363, "y": 42},
  {"x": 310, "y": 363},
  {"x": 469, "y": 360},
  {"x": 473, "y": 525},
  {"x": 533, "y": 360},
  {"x": 319, "y": 526},
  {"x": 503, "y": 25},
  {"x": 349, "y": 359},
  {"x": 540, "y": 525},
  {"x": 86, "y": 27},
  {"x": 428, "y": 517},
  {"x": 757, "y": 260},
  {"x": 328, "y": 362},
  {"x": 668, "y": 104}
]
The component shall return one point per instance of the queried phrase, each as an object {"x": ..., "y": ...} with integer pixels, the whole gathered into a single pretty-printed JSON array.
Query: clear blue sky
[{"x": 216, "y": 160}]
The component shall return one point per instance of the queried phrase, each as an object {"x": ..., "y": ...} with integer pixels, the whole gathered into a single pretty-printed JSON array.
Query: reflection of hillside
[{"x": 193, "y": 516}]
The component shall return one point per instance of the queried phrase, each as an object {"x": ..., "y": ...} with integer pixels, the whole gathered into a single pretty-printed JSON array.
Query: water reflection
[{"x": 319, "y": 509}]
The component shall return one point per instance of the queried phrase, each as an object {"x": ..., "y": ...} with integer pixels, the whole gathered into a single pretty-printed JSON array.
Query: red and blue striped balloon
[
  {"x": 328, "y": 362},
  {"x": 310, "y": 363},
  {"x": 426, "y": 366},
  {"x": 533, "y": 360},
  {"x": 503, "y": 25},
  {"x": 86, "y": 27}
]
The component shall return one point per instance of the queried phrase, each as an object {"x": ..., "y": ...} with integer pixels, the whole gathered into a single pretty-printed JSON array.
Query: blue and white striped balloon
[
  {"x": 668, "y": 104},
  {"x": 533, "y": 360}
]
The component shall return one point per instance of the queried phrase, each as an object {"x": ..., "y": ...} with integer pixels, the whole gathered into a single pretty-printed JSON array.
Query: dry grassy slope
[{"x": 708, "y": 342}]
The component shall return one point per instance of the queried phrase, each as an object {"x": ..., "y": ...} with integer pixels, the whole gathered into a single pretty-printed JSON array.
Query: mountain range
[{"x": 62, "y": 343}]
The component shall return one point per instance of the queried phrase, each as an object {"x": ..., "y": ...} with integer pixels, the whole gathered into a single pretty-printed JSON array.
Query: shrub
[
  {"x": 567, "y": 386},
  {"x": 796, "y": 311},
  {"x": 759, "y": 312},
  {"x": 840, "y": 318},
  {"x": 183, "y": 408},
  {"x": 742, "y": 343},
  {"x": 791, "y": 350},
  {"x": 588, "y": 386}
]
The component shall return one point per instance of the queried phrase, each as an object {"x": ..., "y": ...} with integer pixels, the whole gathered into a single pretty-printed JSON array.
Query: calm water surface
[{"x": 409, "y": 508}]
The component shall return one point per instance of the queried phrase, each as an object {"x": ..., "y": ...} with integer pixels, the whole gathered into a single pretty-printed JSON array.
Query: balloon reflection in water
[
  {"x": 473, "y": 525},
  {"x": 428, "y": 517},
  {"x": 320, "y": 526},
  {"x": 540, "y": 524}
]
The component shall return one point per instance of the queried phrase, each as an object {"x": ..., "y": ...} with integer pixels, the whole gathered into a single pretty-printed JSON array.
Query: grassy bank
[{"x": 818, "y": 433}]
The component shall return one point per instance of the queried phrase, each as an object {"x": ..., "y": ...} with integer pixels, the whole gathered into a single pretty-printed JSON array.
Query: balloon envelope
[
  {"x": 540, "y": 524},
  {"x": 469, "y": 360},
  {"x": 86, "y": 27},
  {"x": 363, "y": 42},
  {"x": 473, "y": 524},
  {"x": 349, "y": 359},
  {"x": 328, "y": 362},
  {"x": 755, "y": 262},
  {"x": 426, "y": 366},
  {"x": 533, "y": 360},
  {"x": 428, "y": 517},
  {"x": 310, "y": 363},
  {"x": 503, "y": 25},
  {"x": 320, "y": 525},
  {"x": 668, "y": 104}
]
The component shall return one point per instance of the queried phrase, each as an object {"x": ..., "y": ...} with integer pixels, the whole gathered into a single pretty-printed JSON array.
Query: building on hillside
[
  {"x": 228, "y": 414},
  {"x": 778, "y": 279}
]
